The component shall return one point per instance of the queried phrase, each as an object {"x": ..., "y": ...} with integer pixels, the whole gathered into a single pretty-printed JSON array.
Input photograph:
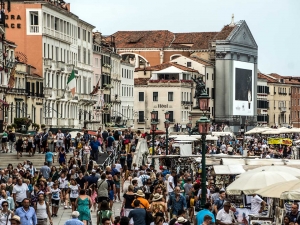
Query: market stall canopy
[
  {"x": 272, "y": 131},
  {"x": 264, "y": 162},
  {"x": 250, "y": 182},
  {"x": 193, "y": 137},
  {"x": 229, "y": 169},
  {"x": 233, "y": 161},
  {"x": 291, "y": 195},
  {"x": 275, "y": 190},
  {"x": 257, "y": 130},
  {"x": 293, "y": 171},
  {"x": 222, "y": 134}
]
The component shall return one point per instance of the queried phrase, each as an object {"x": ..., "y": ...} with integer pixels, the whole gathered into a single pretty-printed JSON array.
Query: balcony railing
[
  {"x": 17, "y": 90},
  {"x": 34, "y": 29},
  {"x": 282, "y": 109}
]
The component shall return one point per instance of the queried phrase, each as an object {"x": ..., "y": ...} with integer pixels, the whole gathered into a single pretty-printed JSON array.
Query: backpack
[{"x": 104, "y": 214}]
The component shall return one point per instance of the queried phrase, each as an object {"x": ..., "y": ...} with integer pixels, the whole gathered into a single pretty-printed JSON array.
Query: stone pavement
[{"x": 65, "y": 214}]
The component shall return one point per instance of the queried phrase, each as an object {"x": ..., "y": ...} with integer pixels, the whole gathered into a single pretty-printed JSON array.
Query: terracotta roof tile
[
  {"x": 166, "y": 65},
  {"x": 141, "y": 81},
  {"x": 268, "y": 78},
  {"x": 166, "y": 39},
  {"x": 199, "y": 60},
  {"x": 143, "y": 39},
  {"x": 197, "y": 40},
  {"x": 224, "y": 33}
]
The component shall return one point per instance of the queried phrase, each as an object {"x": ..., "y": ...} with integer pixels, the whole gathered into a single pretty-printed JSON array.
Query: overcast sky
[{"x": 274, "y": 24}]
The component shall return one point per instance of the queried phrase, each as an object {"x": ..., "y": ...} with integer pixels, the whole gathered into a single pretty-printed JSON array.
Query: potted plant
[
  {"x": 35, "y": 126},
  {"x": 43, "y": 126}
]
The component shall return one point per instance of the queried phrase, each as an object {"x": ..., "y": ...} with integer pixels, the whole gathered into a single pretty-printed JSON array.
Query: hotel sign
[
  {"x": 13, "y": 18},
  {"x": 163, "y": 106}
]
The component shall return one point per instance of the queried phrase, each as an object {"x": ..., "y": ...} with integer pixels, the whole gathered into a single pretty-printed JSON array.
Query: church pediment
[{"x": 243, "y": 36}]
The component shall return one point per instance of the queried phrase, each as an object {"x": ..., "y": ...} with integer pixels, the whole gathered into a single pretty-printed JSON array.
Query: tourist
[
  {"x": 5, "y": 214},
  {"x": 26, "y": 213},
  {"x": 138, "y": 214},
  {"x": 225, "y": 215},
  {"x": 83, "y": 204},
  {"x": 42, "y": 210},
  {"x": 104, "y": 212},
  {"x": 74, "y": 220}
]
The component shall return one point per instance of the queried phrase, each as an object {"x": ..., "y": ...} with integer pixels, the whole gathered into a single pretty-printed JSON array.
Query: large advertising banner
[{"x": 243, "y": 89}]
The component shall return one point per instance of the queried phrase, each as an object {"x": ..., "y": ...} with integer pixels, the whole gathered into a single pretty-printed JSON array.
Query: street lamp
[
  {"x": 203, "y": 128},
  {"x": 167, "y": 124},
  {"x": 153, "y": 128}
]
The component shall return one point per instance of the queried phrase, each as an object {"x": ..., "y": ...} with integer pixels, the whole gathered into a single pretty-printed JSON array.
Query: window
[
  {"x": 171, "y": 116},
  {"x": 141, "y": 116},
  {"x": 213, "y": 93},
  {"x": 84, "y": 34},
  {"x": 155, "y": 96},
  {"x": 56, "y": 53},
  {"x": 141, "y": 96},
  {"x": 189, "y": 64},
  {"x": 89, "y": 57},
  {"x": 84, "y": 55},
  {"x": 89, "y": 36},
  {"x": 170, "y": 96},
  {"x": 96, "y": 62},
  {"x": 79, "y": 32},
  {"x": 34, "y": 22},
  {"x": 206, "y": 76},
  {"x": 207, "y": 91},
  {"x": 212, "y": 76},
  {"x": 79, "y": 54}
]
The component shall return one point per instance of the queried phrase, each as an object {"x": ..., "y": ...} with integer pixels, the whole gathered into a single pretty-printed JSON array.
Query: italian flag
[{"x": 72, "y": 82}]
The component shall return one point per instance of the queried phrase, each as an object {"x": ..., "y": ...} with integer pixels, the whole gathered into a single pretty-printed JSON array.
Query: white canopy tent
[
  {"x": 233, "y": 161},
  {"x": 258, "y": 130},
  {"x": 229, "y": 169}
]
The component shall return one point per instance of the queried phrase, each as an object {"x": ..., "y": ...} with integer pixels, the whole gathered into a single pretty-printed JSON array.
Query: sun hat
[
  {"x": 156, "y": 197},
  {"x": 181, "y": 220},
  {"x": 16, "y": 218},
  {"x": 140, "y": 193}
]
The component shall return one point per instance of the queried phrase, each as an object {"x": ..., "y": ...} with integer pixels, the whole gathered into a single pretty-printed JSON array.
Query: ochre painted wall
[{"x": 30, "y": 45}]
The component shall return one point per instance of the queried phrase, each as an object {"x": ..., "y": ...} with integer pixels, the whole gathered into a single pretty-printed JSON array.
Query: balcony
[
  {"x": 60, "y": 65},
  {"x": 282, "y": 109},
  {"x": 69, "y": 68},
  {"x": 48, "y": 92},
  {"x": 20, "y": 91},
  {"x": 171, "y": 83},
  {"x": 48, "y": 63},
  {"x": 62, "y": 122},
  {"x": 51, "y": 121},
  {"x": 71, "y": 123},
  {"x": 34, "y": 29}
]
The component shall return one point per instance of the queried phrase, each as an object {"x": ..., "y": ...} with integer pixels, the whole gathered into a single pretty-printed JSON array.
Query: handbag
[
  {"x": 126, "y": 141},
  {"x": 122, "y": 213}
]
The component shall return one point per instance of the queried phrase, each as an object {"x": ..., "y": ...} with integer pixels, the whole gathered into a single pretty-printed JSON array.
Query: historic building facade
[{"x": 56, "y": 42}]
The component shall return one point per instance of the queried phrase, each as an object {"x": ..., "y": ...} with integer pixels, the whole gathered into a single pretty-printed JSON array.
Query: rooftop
[
  {"x": 166, "y": 65},
  {"x": 168, "y": 39}
]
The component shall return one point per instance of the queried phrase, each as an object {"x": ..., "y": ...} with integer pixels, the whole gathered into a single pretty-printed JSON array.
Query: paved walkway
[{"x": 65, "y": 214}]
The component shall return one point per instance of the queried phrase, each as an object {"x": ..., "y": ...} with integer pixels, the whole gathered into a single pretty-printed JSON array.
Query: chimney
[{"x": 68, "y": 7}]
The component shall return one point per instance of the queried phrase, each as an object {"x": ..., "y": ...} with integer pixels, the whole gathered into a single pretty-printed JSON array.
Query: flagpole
[{"x": 67, "y": 83}]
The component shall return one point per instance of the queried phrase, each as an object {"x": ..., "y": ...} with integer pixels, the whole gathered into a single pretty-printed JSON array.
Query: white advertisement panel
[{"x": 243, "y": 88}]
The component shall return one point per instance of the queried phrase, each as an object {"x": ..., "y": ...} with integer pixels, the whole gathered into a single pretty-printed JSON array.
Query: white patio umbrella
[
  {"x": 291, "y": 195},
  {"x": 275, "y": 190},
  {"x": 251, "y": 182},
  {"x": 257, "y": 130},
  {"x": 290, "y": 170}
]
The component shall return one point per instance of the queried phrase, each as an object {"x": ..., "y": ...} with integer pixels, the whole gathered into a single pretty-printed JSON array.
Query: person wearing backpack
[
  {"x": 11, "y": 141},
  {"x": 219, "y": 203},
  {"x": 294, "y": 215},
  {"x": 104, "y": 212}
]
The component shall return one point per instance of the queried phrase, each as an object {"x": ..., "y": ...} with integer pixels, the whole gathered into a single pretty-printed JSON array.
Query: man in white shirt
[
  {"x": 60, "y": 139},
  {"x": 20, "y": 191},
  {"x": 225, "y": 215},
  {"x": 171, "y": 184},
  {"x": 257, "y": 205}
]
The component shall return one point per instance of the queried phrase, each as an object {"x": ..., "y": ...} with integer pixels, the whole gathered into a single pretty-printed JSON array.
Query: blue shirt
[
  {"x": 110, "y": 141},
  {"x": 49, "y": 157},
  {"x": 94, "y": 145},
  {"x": 202, "y": 213},
  {"x": 27, "y": 217},
  {"x": 177, "y": 205},
  {"x": 74, "y": 221}
]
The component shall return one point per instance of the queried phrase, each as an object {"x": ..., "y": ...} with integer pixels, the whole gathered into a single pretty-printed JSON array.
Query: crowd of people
[{"x": 146, "y": 196}]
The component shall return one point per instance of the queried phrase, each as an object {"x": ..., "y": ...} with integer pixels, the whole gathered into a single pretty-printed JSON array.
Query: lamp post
[
  {"x": 167, "y": 124},
  {"x": 153, "y": 128},
  {"x": 203, "y": 128}
]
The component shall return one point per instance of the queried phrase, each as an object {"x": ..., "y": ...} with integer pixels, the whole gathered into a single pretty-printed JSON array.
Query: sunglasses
[{"x": 5, "y": 206}]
